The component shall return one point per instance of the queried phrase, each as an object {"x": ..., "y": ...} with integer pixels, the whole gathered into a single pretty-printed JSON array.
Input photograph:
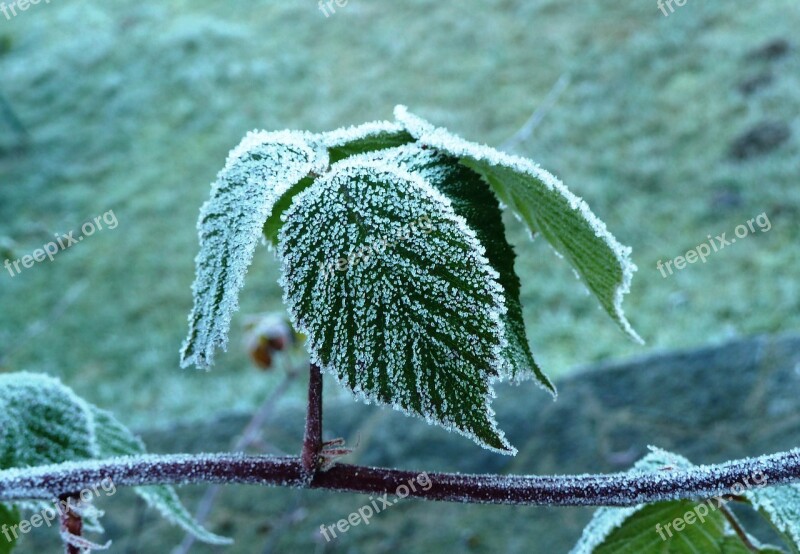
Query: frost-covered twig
[
  {"x": 619, "y": 489},
  {"x": 312, "y": 442},
  {"x": 71, "y": 526}
]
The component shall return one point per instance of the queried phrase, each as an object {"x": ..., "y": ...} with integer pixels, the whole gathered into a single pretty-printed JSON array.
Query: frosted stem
[
  {"x": 312, "y": 442},
  {"x": 618, "y": 489},
  {"x": 71, "y": 524}
]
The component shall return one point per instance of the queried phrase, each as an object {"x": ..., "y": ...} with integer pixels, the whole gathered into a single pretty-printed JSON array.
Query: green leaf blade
[
  {"x": 415, "y": 320},
  {"x": 257, "y": 174},
  {"x": 473, "y": 200},
  {"x": 9, "y": 518},
  {"x": 547, "y": 207},
  {"x": 44, "y": 422}
]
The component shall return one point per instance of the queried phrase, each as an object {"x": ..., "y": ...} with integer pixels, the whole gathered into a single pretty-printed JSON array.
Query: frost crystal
[
  {"x": 258, "y": 171},
  {"x": 401, "y": 314},
  {"x": 547, "y": 207}
]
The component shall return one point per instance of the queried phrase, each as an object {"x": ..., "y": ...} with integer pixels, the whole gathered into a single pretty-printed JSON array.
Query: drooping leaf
[
  {"x": 258, "y": 172},
  {"x": 547, "y": 207},
  {"x": 400, "y": 315},
  {"x": 44, "y": 422},
  {"x": 9, "y": 517},
  {"x": 473, "y": 200}
]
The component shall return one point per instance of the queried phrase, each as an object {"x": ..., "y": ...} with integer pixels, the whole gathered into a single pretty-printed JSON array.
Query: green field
[{"x": 132, "y": 106}]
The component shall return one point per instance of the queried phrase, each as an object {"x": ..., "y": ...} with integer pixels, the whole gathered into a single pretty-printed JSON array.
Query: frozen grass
[{"x": 133, "y": 106}]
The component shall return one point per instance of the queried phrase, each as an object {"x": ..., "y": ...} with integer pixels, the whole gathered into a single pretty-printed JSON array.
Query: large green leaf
[
  {"x": 258, "y": 172},
  {"x": 547, "y": 207},
  {"x": 473, "y": 200},
  {"x": 402, "y": 313},
  {"x": 44, "y": 422}
]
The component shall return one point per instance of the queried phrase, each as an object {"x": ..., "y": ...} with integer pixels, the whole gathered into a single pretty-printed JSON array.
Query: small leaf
[
  {"x": 473, "y": 200},
  {"x": 399, "y": 315},
  {"x": 341, "y": 143},
  {"x": 9, "y": 518},
  {"x": 44, "y": 422},
  {"x": 258, "y": 172},
  {"x": 547, "y": 207}
]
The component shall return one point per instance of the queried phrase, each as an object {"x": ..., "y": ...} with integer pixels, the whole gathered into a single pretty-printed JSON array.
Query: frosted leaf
[
  {"x": 43, "y": 422},
  {"x": 645, "y": 528},
  {"x": 547, "y": 207},
  {"x": 605, "y": 520},
  {"x": 781, "y": 505},
  {"x": 396, "y": 296},
  {"x": 368, "y": 137},
  {"x": 258, "y": 172},
  {"x": 473, "y": 200}
]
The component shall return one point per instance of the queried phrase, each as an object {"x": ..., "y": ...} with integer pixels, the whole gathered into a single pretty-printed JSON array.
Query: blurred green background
[{"x": 672, "y": 128}]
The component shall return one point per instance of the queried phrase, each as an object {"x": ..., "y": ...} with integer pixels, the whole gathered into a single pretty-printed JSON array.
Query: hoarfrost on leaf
[
  {"x": 473, "y": 200},
  {"x": 645, "y": 528},
  {"x": 368, "y": 137},
  {"x": 43, "y": 422},
  {"x": 401, "y": 316},
  {"x": 781, "y": 505},
  {"x": 547, "y": 207},
  {"x": 258, "y": 172}
]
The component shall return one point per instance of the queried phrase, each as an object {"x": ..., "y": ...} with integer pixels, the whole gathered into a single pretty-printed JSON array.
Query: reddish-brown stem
[
  {"x": 312, "y": 442},
  {"x": 71, "y": 523},
  {"x": 619, "y": 489},
  {"x": 738, "y": 529}
]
